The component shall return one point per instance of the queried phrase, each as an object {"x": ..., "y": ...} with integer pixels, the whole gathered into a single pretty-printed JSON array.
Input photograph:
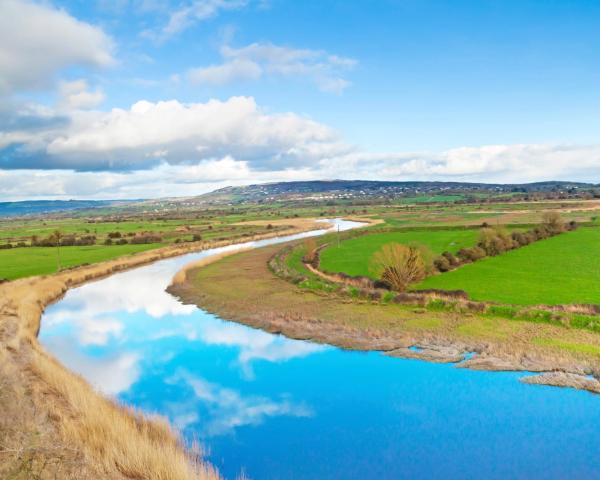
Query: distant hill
[
  {"x": 318, "y": 191},
  {"x": 323, "y": 189},
  {"x": 34, "y": 207}
]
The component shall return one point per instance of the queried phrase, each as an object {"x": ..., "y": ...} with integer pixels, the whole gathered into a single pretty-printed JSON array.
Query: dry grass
[
  {"x": 29, "y": 444},
  {"x": 52, "y": 423},
  {"x": 181, "y": 275},
  {"x": 118, "y": 438}
]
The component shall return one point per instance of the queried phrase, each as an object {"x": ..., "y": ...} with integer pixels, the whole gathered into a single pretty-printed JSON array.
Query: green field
[
  {"x": 23, "y": 262},
  {"x": 353, "y": 256},
  {"x": 560, "y": 270}
]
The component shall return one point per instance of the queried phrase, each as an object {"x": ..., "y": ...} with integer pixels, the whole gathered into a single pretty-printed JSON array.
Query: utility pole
[{"x": 58, "y": 236}]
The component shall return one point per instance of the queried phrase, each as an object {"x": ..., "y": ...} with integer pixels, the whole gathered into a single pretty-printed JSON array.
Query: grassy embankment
[{"x": 54, "y": 425}]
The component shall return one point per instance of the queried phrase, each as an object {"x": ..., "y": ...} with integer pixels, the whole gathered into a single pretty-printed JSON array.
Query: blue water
[{"x": 276, "y": 408}]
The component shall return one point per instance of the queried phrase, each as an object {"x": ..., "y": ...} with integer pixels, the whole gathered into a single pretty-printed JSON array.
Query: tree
[{"x": 400, "y": 265}]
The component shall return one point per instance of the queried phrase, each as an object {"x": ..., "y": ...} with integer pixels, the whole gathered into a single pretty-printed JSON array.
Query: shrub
[
  {"x": 86, "y": 240},
  {"x": 452, "y": 260},
  {"x": 494, "y": 241},
  {"x": 142, "y": 239},
  {"x": 520, "y": 239},
  {"x": 121, "y": 241},
  {"x": 68, "y": 241},
  {"x": 442, "y": 264},
  {"x": 553, "y": 223},
  {"x": 196, "y": 237},
  {"x": 114, "y": 235},
  {"x": 399, "y": 265},
  {"x": 471, "y": 254},
  {"x": 108, "y": 241}
]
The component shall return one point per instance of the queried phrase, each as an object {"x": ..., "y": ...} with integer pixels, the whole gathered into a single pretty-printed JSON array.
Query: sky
[{"x": 113, "y": 99}]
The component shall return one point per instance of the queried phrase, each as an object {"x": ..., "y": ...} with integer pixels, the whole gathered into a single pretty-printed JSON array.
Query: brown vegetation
[{"x": 399, "y": 265}]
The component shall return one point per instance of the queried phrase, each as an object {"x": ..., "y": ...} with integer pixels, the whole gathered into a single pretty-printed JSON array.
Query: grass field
[
  {"x": 353, "y": 256},
  {"x": 560, "y": 270},
  {"x": 23, "y": 262}
]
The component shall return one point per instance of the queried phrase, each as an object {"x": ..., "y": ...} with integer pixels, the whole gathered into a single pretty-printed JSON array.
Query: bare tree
[{"x": 399, "y": 265}]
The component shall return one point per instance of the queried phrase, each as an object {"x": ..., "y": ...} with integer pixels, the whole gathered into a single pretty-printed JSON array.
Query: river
[{"x": 275, "y": 408}]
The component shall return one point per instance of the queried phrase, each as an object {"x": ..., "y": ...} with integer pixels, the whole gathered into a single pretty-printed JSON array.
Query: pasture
[
  {"x": 23, "y": 262},
  {"x": 353, "y": 256},
  {"x": 560, "y": 270}
]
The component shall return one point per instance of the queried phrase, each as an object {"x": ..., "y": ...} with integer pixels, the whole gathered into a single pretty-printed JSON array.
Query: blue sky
[{"x": 264, "y": 90}]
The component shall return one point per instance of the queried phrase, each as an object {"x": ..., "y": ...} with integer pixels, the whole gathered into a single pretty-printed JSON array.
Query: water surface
[{"x": 276, "y": 408}]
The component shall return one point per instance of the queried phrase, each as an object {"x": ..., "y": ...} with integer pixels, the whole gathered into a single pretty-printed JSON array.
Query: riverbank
[
  {"x": 54, "y": 425},
  {"x": 242, "y": 288}
]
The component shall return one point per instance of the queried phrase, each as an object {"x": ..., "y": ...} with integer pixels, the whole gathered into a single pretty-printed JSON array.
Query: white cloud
[
  {"x": 488, "y": 163},
  {"x": 255, "y": 344},
  {"x": 227, "y": 408},
  {"x": 265, "y": 59},
  {"x": 235, "y": 70},
  {"x": 192, "y": 13},
  {"x": 162, "y": 181},
  {"x": 76, "y": 95},
  {"x": 175, "y": 133},
  {"x": 37, "y": 41},
  {"x": 110, "y": 374}
]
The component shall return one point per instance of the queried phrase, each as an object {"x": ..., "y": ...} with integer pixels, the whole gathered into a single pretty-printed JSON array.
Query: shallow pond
[{"x": 275, "y": 408}]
